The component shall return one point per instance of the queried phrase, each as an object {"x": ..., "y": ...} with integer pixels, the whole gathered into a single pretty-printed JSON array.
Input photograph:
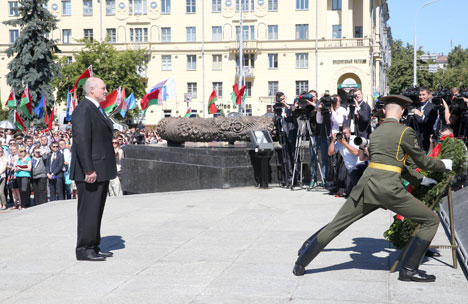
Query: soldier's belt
[{"x": 385, "y": 167}]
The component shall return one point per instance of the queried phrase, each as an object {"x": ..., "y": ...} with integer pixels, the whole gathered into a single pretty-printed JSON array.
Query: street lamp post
[{"x": 415, "y": 47}]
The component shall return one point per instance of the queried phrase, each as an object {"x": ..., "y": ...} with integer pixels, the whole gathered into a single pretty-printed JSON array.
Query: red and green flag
[
  {"x": 51, "y": 118},
  {"x": 111, "y": 101},
  {"x": 83, "y": 77},
  {"x": 26, "y": 104},
  {"x": 211, "y": 103},
  {"x": 11, "y": 101},
  {"x": 188, "y": 113},
  {"x": 149, "y": 99},
  {"x": 237, "y": 96},
  {"x": 19, "y": 122}
]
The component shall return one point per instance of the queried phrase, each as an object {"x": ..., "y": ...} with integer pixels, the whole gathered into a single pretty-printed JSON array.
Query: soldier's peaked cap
[{"x": 398, "y": 99}]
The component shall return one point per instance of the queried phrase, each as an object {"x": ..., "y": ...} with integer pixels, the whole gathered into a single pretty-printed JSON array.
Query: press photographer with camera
[
  {"x": 453, "y": 109},
  {"x": 363, "y": 113},
  {"x": 343, "y": 142},
  {"x": 426, "y": 115}
]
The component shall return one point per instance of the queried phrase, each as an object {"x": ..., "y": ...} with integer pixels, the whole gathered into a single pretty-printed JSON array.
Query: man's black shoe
[
  {"x": 432, "y": 253},
  {"x": 106, "y": 254},
  {"x": 298, "y": 270},
  {"x": 415, "y": 276},
  {"x": 89, "y": 256}
]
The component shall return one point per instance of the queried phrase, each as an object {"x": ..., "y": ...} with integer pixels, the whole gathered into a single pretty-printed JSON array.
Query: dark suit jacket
[
  {"x": 57, "y": 166},
  {"x": 92, "y": 143},
  {"x": 426, "y": 125},
  {"x": 364, "y": 119}
]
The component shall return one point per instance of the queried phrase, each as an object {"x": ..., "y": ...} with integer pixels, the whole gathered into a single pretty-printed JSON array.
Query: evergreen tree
[{"x": 33, "y": 63}]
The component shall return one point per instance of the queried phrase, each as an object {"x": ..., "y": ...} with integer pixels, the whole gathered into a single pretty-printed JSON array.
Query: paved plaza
[{"x": 212, "y": 246}]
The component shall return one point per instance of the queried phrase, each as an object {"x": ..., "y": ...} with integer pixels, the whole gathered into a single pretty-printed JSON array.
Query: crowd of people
[
  {"x": 35, "y": 165},
  {"x": 337, "y": 155}
]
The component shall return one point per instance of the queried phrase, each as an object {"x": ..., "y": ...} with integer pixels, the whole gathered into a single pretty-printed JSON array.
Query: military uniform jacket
[{"x": 391, "y": 144}]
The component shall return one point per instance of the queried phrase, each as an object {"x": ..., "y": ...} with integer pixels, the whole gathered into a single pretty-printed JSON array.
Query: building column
[
  {"x": 366, "y": 19},
  {"x": 346, "y": 22}
]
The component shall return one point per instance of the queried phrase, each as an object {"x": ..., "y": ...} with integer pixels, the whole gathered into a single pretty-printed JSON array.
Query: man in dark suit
[
  {"x": 363, "y": 114},
  {"x": 426, "y": 116},
  {"x": 54, "y": 170},
  {"x": 92, "y": 166}
]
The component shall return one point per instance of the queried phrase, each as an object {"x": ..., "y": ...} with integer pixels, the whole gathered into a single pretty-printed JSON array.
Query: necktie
[{"x": 102, "y": 112}]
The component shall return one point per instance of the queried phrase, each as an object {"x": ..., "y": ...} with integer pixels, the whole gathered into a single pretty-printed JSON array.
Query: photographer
[
  {"x": 363, "y": 113},
  {"x": 452, "y": 113},
  {"x": 314, "y": 141},
  {"x": 289, "y": 130},
  {"x": 344, "y": 143},
  {"x": 426, "y": 115},
  {"x": 339, "y": 115}
]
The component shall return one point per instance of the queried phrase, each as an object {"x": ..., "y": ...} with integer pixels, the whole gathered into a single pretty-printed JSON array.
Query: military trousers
[{"x": 353, "y": 210}]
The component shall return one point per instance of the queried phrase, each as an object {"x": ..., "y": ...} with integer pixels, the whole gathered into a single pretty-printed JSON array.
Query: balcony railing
[
  {"x": 248, "y": 46},
  {"x": 248, "y": 72},
  {"x": 340, "y": 43}
]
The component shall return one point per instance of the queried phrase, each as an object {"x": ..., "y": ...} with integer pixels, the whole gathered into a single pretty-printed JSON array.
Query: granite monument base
[{"x": 160, "y": 168}]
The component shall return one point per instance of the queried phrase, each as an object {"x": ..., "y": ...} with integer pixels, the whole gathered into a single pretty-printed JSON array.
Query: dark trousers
[
  {"x": 25, "y": 191},
  {"x": 91, "y": 202},
  {"x": 353, "y": 177},
  {"x": 56, "y": 188},
  {"x": 39, "y": 186}
]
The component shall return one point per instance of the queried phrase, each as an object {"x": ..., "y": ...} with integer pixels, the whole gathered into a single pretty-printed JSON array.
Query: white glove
[
  {"x": 427, "y": 181},
  {"x": 447, "y": 163}
]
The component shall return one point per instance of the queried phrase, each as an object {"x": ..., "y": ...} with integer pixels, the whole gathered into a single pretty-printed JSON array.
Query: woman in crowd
[
  {"x": 23, "y": 168},
  {"x": 115, "y": 188},
  {"x": 3, "y": 166},
  {"x": 11, "y": 178},
  {"x": 39, "y": 177}
]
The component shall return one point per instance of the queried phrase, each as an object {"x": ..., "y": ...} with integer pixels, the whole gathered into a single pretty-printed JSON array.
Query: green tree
[
  {"x": 458, "y": 57},
  {"x": 33, "y": 63},
  {"x": 115, "y": 68},
  {"x": 400, "y": 74}
]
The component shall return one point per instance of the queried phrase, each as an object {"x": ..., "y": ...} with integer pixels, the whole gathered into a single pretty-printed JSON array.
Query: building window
[
  {"x": 272, "y": 88},
  {"x": 248, "y": 89},
  {"x": 139, "y": 35},
  {"x": 111, "y": 35},
  {"x": 166, "y": 34},
  {"x": 66, "y": 8},
  {"x": 218, "y": 87},
  {"x": 137, "y": 7},
  {"x": 87, "y": 7},
  {"x": 191, "y": 62},
  {"x": 217, "y": 34},
  {"x": 248, "y": 32},
  {"x": 302, "y": 61},
  {"x": 167, "y": 113},
  {"x": 67, "y": 36},
  {"x": 302, "y": 31},
  {"x": 336, "y": 5},
  {"x": 272, "y": 5},
  {"x": 166, "y": 62},
  {"x": 13, "y": 8},
  {"x": 272, "y": 61},
  {"x": 217, "y": 62},
  {"x": 358, "y": 32},
  {"x": 88, "y": 34},
  {"x": 302, "y": 5},
  {"x": 110, "y": 7},
  {"x": 191, "y": 33},
  {"x": 14, "y": 34},
  {"x": 216, "y": 6},
  {"x": 273, "y": 32},
  {"x": 247, "y": 5},
  {"x": 302, "y": 86},
  {"x": 191, "y": 7},
  {"x": 248, "y": 60},
  {"x": 69, "y": 59},
  {"x": 192, "y": 89},
  {"x": 336, "y": 31},
  {"x": 165, "y": 6}
]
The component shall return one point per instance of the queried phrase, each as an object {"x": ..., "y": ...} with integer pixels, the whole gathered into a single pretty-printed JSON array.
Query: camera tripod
[
  {"x": 303, "y": 131},
  {"x": 283, "y": 175}
]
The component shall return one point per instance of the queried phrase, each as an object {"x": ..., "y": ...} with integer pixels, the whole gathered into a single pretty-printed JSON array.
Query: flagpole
[
  {"x": 241, "y": 51},
  {"x": 203, "y": 57}
]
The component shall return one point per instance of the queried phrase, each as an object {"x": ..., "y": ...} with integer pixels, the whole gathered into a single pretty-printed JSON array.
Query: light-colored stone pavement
[{"x": 213, "y": 246}]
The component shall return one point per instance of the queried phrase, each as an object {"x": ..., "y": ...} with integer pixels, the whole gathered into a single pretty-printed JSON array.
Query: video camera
[
  {"x": 303, "y": 107},
  {"x": 327, "y": 101},
  {"x": 458, "y": 103},
  {"x": 439, "y": 95}
]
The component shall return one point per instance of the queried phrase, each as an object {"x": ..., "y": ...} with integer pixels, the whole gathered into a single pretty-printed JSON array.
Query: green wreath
[{"x": 401, "y": 229}]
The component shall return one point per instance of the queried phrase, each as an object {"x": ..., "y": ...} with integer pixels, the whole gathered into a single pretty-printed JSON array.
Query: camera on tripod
[
  {"x": 413, "y": 94},
  {"x": 303, "y": 106},
  {"x": 327, "y": 102}
]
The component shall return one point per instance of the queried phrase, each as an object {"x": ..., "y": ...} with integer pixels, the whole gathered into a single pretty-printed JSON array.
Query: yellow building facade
[{"x": 288, "y": 46}]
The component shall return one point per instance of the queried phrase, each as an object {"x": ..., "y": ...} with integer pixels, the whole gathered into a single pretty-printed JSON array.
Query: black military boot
[
  {"x": 409, "y": 267},
  {"x": 308, "y": 241},
  {"x": 306, "y": 256}
]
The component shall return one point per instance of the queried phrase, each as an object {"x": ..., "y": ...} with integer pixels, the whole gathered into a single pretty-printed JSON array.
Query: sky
[{"x": 437, "y": 24}]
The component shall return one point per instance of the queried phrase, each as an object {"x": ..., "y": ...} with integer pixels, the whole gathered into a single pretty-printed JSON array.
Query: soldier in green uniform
[{"x": 381, "y": 186}]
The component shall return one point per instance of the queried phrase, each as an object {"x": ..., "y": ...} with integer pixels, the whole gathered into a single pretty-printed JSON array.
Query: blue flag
[
  {"x": 129, "y": 103},
  {"x": 39, "y": 109},
  {"x": 68, "y": 118}
]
